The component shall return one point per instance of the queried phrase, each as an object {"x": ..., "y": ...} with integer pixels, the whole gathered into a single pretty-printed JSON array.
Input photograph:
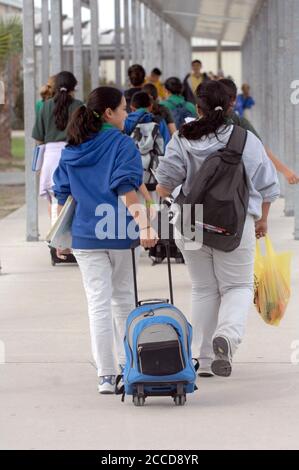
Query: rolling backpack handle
[{"x": 139, "y": 303}]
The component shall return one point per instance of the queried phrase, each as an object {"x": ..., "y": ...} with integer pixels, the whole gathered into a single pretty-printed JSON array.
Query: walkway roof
[{"x": 225, "y": 20}]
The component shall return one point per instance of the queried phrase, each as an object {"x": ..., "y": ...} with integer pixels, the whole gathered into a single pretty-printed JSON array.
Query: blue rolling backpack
[{"x": 158, "y": 349}]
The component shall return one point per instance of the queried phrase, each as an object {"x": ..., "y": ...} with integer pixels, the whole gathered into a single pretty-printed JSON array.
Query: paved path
[
  {"x": 48, "y": 382},
  {"x": 12, "y": 178}
]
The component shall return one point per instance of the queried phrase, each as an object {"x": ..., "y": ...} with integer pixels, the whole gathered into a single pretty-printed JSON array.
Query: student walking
[
  {"x": 176, "y": 103},
  {"x": 160, "y": 112},
  {"x": 142, "y": 112},
  {"x": 101, "y": 168},
  {"x": 222, "y": 282},
  {"x": 193, "y": 80},
  {"x": 136, "y": 75},
  {"x": 244, "y": 101},
  {"x": 46, "y": 93},
  {"x": 50, "y": 128},
  {"x": 155, "y": 79}
]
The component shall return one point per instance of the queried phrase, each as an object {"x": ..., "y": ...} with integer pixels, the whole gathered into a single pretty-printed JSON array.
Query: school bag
[
  {"x": 158, "y": 349},
  {"x": 150, "y": 143},
  {"x": 180, "y": 113},
  {"x": 221, "y": 186}
]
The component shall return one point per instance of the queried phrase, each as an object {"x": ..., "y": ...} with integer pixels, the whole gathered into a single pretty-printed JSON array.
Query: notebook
[
  {"x": 60, "y": 235},
  {"x": 38, "y": 157}
]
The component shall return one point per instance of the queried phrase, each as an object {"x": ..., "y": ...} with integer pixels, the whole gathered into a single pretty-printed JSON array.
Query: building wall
[{"x": 8, "y": 10}]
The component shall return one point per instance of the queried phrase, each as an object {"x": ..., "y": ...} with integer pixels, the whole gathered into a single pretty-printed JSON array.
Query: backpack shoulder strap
[
  {"x": 139, "y": 121},
  {"x": 237, "y": 140}
]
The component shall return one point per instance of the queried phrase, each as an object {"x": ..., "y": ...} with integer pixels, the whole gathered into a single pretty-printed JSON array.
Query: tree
[{"x": 10, "y": 46}]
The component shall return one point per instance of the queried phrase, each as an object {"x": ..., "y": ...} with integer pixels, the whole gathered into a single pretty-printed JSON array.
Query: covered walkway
[
  {"x": 158, "y": 33},
  {"x": 48, "y": 389},
  {"x": 48, "y": 382}
]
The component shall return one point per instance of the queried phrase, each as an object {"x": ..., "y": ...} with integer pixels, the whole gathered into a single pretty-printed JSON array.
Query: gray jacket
[{"x": 183, "y": 159}]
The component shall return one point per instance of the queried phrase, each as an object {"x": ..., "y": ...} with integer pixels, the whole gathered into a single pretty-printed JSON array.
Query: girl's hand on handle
[
  {"x": 61, "y": 254},
  {"x": 151, "y": 211},
  {"x": 148, "y": 237}
]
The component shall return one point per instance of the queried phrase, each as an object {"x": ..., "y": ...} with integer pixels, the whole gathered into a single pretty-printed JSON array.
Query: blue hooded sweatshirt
[
  {"x": 96, "y": 173},
  {"x": 142, "y": 116}
]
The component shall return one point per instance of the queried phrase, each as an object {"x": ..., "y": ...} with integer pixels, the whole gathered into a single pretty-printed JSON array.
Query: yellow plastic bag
[{"x": 272, "y": 276}]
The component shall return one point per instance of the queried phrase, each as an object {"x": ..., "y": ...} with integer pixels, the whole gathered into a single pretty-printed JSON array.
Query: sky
[{"x": 106, "y": 12}]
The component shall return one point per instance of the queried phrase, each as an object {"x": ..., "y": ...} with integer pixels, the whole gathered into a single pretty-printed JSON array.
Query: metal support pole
[
  {"x": 219, "y": 56},
  {"x": 29, "y": 102},
  {"x": 146, "y": 38},
  {"x": 134, "y": 30},
  {"x": 117, "y": 42},
  {"x": 56, "y": 36},
  {"x": 139, "y": 55},
  {"x": 45, "y": 41},
  {"x": 280, "y": 88},
  {"x": 162, "y": 45},
  {"x": 127, "y": 36},
  {"x": 260, "y": 73},
  {"x": 94, "y": 43},
  {"x": 78, "y": 59},
  {"x": 295, "y": 40},
  {"x": 152, "y": 41},
  {"x": 290, "y": 109}
]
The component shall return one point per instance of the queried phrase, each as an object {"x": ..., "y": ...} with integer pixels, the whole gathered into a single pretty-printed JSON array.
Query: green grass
[{"x": 18, "y": 148}]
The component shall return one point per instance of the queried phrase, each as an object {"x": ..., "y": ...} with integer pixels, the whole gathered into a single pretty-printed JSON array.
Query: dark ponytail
[
  {"x": 214, "y": 103},
  {"x": 65, "y": 83},
  {"x": 87, "y": 120}
]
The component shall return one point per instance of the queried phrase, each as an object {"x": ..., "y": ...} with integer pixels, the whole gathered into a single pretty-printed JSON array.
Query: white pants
[
  {"x": 108, "y": 282},
  {"x": 222, "y": 292},
  {"x": 52, "y": 157}
]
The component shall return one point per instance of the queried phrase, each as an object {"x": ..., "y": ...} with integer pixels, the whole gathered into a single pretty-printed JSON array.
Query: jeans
[
  {"x": 222, "y": 292},
  {"x": 108, "y": 282}
]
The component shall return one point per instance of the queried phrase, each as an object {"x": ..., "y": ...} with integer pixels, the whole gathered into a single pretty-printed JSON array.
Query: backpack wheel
[
  {"x": 138, "y": 400},
  {"x": 180, "y": 400}
]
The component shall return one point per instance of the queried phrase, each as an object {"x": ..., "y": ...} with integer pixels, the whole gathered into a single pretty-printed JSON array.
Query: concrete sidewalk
[{"x": 48, "y": 382}]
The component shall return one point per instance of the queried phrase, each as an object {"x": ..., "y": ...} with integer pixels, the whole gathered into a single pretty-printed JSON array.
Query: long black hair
[
  {"x": 214, "y": 102},
  {"x": 88, "y": 119},
  {"x": 65, "y": 83}
]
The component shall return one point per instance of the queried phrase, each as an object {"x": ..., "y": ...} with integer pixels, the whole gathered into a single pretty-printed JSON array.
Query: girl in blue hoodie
[{"x": 102, "y": 169}]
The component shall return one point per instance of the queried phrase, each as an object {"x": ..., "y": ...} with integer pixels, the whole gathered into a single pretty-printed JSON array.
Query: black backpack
[{"x": 221, "y": 186}]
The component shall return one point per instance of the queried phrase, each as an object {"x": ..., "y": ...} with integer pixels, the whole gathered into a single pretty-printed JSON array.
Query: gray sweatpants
[{"x": 222, "y": 292}]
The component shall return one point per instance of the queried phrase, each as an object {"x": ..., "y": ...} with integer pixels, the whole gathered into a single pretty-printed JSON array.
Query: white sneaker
[
  {"x": 107, "y": 385},
  {"x": 222, "y": 364}
]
